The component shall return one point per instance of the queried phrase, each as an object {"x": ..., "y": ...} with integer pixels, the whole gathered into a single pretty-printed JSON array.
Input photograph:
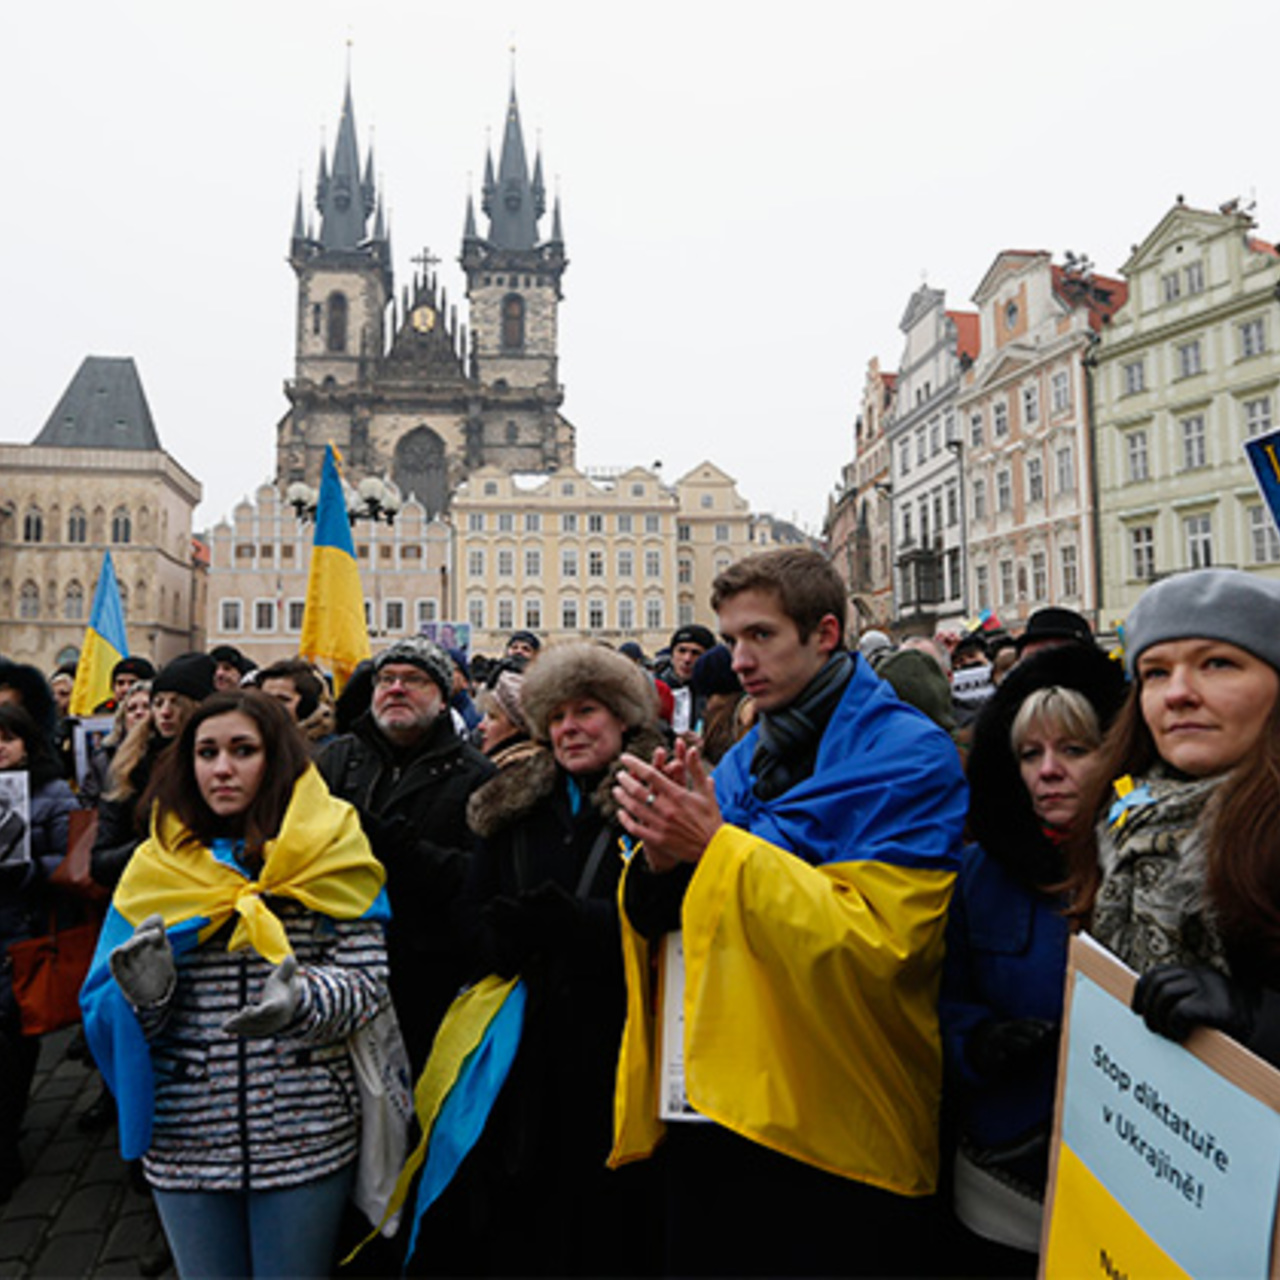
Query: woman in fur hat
[
  {"x": 534, "y": 1196},
  {"x": 1035, "y": 751}
]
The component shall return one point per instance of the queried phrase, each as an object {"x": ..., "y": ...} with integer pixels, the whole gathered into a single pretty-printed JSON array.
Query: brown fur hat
[{"x": 584, "y": 670}]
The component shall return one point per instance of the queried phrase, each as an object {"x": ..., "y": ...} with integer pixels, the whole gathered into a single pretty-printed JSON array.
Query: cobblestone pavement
[{"x": 77, "y": 1212}]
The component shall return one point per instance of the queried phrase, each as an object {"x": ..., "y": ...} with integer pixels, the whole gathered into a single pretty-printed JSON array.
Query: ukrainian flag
[
  {"x": 334, "y": 633},
  {"x": 105, "y": 643}
]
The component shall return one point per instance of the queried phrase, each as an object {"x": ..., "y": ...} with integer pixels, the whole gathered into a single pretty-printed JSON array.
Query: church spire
[
  {"x": 511, "y": 203},
  {"x": 344, "y": 201}
]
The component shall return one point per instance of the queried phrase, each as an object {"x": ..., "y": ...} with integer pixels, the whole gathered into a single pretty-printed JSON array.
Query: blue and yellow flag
[
  {"x": 334, "y": 632},
  {"x": 105, "y": 643}
]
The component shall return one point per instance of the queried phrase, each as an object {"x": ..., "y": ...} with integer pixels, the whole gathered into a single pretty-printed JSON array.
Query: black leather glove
[
  {"x": 540, "y": 921},
  {"x": 1175, "y": 999},
  {"x": 1001, "y": 1049}
]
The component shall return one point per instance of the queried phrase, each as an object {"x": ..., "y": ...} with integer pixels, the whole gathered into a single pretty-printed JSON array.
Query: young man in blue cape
[{"x": 810, "y": 879}]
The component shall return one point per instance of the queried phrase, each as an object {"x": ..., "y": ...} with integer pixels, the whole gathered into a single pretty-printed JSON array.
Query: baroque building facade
[
  {"x": 96, "y": 478},
  {"x": 1188, "y": 369}
]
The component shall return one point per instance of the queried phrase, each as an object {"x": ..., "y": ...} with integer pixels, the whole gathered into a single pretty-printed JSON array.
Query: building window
[
  {"x": 626, "y": 562},
  {"x": 722, "y": 533},
  {"x": 953, "y": 503},
  {"x": 684, "y": 613},
  {"x": 1066, "y": 461},
  {"x": 490, "y": 488},
  {"x": 1000, "y": 419},
  {"x": 1060, "y": 391},
  {"x": 595, "y": 522},
  {"x": 907, "y": 531},
  {"x": 626, "y": 614},
  {"x": 475, "y": 521},
  {"x": 568, "y": 562},
  {"x": 506, "y": 613},
  {"x": 1189, "y": 362},
  {"x": 595, "y": 614},
  {"x": 475, "y": 563},
  {"x": 1253, "y": 339},
  {"x": 427, "y": 612},
  {"x": 73, "y": 602},
  {"x": 336, "y": 338},
  {"x": 77, "y": 526},
  {"x": 1262, "y": 536},
  {"x": 28, "y": 600},
  {"x": 568, "y": 489},
  {"x": 506, "y": 522},
  {"x": 1195, "y": 278},
  {"x": 569, "y": 613},
  {"x": 653, "y": 523},
  {"x": 684, "y": 571},
  {"x": 1030, "y": 405},
  {"x": 506, "y": 563},
  {"x": 1142, "y": 552},
  {"x": 264, "y": 616},
  {"x": 533, "y": 613},
  {"x": 683, "y": 532},
  {"x": 975, "y": 431},
  {"x": 1257, "y": 416},
  {"x": 33, "y": 526},
  {"x": 904, "y": 458},
  {"x": 295, "y": 610},
  {"x": 393, "y": 616},
  {"x": 475, "y": 613},
  {"x": 1069, "y": 558},
  {"x": 533, "y": 522},
  {"x": 935, "y": 436},
  {"x": 1137, "y": 455},
  {"x": 1193, "y": 446},
  {"x": 532, "y": 562},
  {"x": 653, "y": 613},
  {"x": 1135, "y": 378},
  {"x": 121, "y": 525},
  {"x": 1171, "y": 286},
  {"x": 513, "y": 322},
  {"x": 982, "y": 585},
  {"x": 1035, "y": 480},
  {"x": 637, "y": 491},
  {"x": 1006, "y": 582},
  {"x": 922, "y": 445},
  {"x": 924, "y": 521},
  {"x": 653, "y": 564},
  {"x": 1039, "y": 577},
  {"x": 1004, "y": 489},
  {"x": 625, "y": 523},
  {"x": 1198, "y": 533},
  {"x": 569, "y": 522},
  {"x": 979, "y": 498},
  {"x": 953, "y": 574},
  {"x": 595, "y": 564},
  {"x": 230, "y": 616}
]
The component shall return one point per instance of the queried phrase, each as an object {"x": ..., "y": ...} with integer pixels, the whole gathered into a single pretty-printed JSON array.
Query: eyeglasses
[{"x": 406, "y": 680}]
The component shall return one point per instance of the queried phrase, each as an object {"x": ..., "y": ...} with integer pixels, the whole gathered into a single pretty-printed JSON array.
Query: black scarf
[{"x": 788, "y": 743}]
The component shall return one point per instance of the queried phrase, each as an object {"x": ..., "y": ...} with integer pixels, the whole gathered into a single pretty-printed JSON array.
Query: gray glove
[
  {"x": 143, "y": 967},
  {"x": 276, "y": 1005}
]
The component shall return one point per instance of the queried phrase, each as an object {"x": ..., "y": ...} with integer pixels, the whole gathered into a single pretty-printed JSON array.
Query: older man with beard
[{"x": 409, "y": 773}]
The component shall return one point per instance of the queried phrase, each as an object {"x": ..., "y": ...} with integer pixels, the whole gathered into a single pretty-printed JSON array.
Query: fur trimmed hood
[
  {"x": 580, "y": 670},
  {"x": 532, "y": 776}
]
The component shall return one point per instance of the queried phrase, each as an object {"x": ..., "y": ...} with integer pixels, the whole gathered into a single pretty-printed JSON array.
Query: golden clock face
[{"x": 423, "y": 319}]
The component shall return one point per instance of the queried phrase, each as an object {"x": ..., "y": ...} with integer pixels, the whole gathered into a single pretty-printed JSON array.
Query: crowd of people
[{"x": 790, "y": 907}]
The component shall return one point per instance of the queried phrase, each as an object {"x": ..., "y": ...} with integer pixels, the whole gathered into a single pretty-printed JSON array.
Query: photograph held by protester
[
  {"x": 535, "y": 1197},
  {"x": 243, "y": 948},
  {"x": 1182, "y": 880},
  {"x": 1035, "y": 753}
]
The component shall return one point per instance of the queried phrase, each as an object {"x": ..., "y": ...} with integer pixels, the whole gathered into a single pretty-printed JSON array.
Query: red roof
[
  {"x": 1103, "y": 295},
  {"x": 1261, "y": 246},
  {"x": 968, "y": 333},
  {"x": 890, "y": 380}
]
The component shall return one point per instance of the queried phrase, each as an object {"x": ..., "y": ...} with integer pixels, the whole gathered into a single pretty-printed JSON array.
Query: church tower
[
  {"x": 344, "y": 289},
  {"x": 514, "y": 291}
]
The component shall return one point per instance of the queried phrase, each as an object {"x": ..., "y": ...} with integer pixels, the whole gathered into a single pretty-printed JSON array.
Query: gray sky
[{"x": 751, "y": 192}]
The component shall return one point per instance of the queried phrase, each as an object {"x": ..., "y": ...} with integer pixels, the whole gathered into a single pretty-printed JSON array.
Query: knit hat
[
  {"x": 916, "y": 678},
  {"x": 584, "y": 670},
  {"x": 190, "y": 674},
  {"x": 714, "y": 673},
  {"x": 507, "y": 694},
  {"x": 526, "y": 637},
  {"x": 1208, "y": 604},
  {"x": 459, "y": 659},
  {"x": 693, "y": 634},
  {"x": 426, "y": 655},
  {"x": 1054, "y": 623},
  {"x": 135, "y": 666},
  {"x": 229, "y": 654}
]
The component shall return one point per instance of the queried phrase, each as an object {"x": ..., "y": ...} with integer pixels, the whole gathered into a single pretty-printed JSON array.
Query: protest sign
[
  {"x": 1166, "y": 1157},
  {"x": 1263, "y": 453}
]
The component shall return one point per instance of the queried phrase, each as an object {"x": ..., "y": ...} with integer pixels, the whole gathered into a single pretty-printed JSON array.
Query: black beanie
[{"x": 190, "y": 674}]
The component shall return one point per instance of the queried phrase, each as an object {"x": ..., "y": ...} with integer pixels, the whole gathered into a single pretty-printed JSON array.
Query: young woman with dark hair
[{"x": 243, "y": 948}]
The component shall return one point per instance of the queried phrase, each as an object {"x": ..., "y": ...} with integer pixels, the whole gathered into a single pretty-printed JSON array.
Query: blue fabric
[
  {"x": 886, "y": 787},
  {"x": 465, "y": 1111},
  {"x": 1006, "y": 958}
]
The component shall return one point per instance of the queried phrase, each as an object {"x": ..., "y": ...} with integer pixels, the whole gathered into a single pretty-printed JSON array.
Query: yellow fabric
[
  {"x": 459, "y": 1036},
  {"x": 334, "y": 632},
  {"x": 810, "y": 1011},
  {"x": 93, "y": 674},
  {"x": 320, "y": 858}
]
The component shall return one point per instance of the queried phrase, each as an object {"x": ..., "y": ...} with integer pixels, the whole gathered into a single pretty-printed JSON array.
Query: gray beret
[
  {"x": 1208, "y": 604},
  {"x": 426, "y": 655}
]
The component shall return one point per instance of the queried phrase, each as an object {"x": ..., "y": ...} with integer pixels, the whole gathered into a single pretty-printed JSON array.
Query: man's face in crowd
[
  {"x": 521, "y": 649},
  {"x": 770, "y": 659},
  {"x": 282, "y": 689},
  {"x": 226, "y": 676},
  {"x": 406, "y": 701},
  {"x": 62, "y": 687},
  {"x": 121, "y": 685},
  {"x": 967, "y": 658},
  {"x": 684, "y": 657}
]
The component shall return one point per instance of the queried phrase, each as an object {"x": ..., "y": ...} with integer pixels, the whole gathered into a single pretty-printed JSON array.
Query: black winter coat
[{"x": 413, "y": 808}]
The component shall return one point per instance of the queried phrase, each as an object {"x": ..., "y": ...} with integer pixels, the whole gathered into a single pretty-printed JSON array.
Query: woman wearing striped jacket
[{"x": 243, "y": 949}]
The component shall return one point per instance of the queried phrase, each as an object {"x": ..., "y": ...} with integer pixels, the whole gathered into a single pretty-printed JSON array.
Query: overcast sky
[{"x": 751, "y": 193}]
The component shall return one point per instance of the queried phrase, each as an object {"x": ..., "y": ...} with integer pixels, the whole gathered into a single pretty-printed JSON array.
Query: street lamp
[{"x": 373, "y": 499}]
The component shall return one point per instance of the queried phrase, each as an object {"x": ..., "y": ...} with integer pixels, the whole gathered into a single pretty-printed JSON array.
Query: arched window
[
  {"x": 73, "y": 602},
  {"x": 512, "y": 322},
  {"x": 140, "y": 597},
  {"x": 33, "y": 525},
  {"x": 121, "y": 525},
  {"x": 77, "y": 526},
  {"x": 28, "y": 600},
  {"x": 336, "y": 339}
]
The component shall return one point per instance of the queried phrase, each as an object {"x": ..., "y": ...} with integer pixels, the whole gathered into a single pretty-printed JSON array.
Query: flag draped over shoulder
[
  {"x": 334, "y": 633},
  {"x": 105, "y": 643}
]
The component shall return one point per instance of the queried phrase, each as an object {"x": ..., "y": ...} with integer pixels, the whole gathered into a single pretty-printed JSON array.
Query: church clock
[{"x": 423, "y": 319}]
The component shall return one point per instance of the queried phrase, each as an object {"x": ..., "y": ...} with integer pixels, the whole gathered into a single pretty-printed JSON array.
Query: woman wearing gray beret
[{"x": 1182, "y": 880}]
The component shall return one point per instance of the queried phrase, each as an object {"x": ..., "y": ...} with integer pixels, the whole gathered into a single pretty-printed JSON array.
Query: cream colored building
[
  {"x": 97, "y": 478},
  {"x": 1187, "y": 371},
  {"x": 260, "y": 557}
]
